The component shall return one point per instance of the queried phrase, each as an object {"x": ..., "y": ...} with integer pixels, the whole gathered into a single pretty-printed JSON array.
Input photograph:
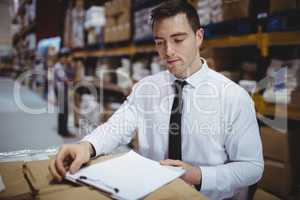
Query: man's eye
[
  {"x": 158, "y": 43},
  {"x": 178, "y": 41}
]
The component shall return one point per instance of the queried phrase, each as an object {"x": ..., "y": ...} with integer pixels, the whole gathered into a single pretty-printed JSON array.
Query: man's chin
[
  {"x": 177, "y": 73},
  {"x": 171, "y": 67}
]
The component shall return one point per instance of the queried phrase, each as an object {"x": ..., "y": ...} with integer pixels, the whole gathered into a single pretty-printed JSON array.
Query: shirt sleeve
[
  {"x": 119, "y": 129},
  {"x": 243, "y": 146}
]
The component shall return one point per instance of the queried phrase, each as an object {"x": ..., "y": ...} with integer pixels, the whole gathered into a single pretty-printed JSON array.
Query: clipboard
[{"x": 130, "y": 176}]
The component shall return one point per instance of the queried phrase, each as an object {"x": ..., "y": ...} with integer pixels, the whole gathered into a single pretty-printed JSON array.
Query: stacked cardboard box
[
  {"x": 263, "y": 195},
  {"x": 118, "y": 21},
  {"x": 278, "y": 173},
  {"x": 281, "y": 5},
  {"x": 235, "y": 9}
]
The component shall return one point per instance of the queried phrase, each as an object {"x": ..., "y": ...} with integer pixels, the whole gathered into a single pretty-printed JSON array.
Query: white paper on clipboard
[{"x": 130, "y": 176}]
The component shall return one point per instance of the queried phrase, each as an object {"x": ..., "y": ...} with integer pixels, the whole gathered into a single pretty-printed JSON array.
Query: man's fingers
[
  {"x": 176, "y": 163},
  {"x": 76, "y": 164},
  {"x": 52, "y": 169},
  {"x": 59, "y": 161}
]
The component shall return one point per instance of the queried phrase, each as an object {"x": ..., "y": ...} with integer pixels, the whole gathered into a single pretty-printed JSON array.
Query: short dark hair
[{"x": 170, "y": 8}]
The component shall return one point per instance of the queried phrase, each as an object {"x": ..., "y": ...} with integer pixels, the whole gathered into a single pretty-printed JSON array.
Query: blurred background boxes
[
  {"x": 281, "y": 5},
  {"x": 118, "y": 16},
  {"x": 275, "y": 144},
  {"x": 281, "y": 164},
  {"x": 277, "y": 179},
  {"x": 235, "y": 9},
  {"x": 263, "y": 195}
]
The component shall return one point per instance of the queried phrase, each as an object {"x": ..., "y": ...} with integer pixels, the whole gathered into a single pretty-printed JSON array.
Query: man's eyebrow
[
  {"x": 173, "y": 35},
  {"x": 158, "y": 38},
  {"x": 178, "y": 34}
]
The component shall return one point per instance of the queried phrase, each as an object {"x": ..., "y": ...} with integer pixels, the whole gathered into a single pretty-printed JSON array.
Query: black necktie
[{"x": 175, "y": 122}]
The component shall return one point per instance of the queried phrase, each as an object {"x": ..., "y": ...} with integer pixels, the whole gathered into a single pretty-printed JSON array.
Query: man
[
  {"x": 188, "y": 116},
  {"x": 61, "y": 91}
]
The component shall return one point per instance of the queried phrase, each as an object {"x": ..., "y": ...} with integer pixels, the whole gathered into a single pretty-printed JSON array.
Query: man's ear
[{"x": 199, "y": 36}]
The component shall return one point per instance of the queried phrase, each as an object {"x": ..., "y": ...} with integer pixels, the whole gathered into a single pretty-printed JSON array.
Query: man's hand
[
  {"x": 70, "y": 157},
  {"x": 192, "y": 175}
]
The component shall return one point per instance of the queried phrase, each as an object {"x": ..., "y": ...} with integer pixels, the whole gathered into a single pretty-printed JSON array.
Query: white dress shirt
[{"x": 219, "y": 131}]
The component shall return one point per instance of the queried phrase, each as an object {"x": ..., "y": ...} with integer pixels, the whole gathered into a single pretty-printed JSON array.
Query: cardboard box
[
  {"x": 40, "y": 179},
  {"x": 124, "y": 18},
  {"x": 118, "y": 14},
  {"x": 108, "y": 34},
  {"x": 15, "y": 184},
  {"x": 114, "y": 34},
  {"x": 281, "y": 5},
  {"x": 275, "y": 144},
  {"x": 235, "y": 9},
  {"x": 263, "y": 195},
  {"x": 277, "y": 178},
  {"x": 42, "y": 186},
  {"x": 175, "y": 190},
  {"x": 124, "y": 31},
  {"x": 110, "y": 22},
  {"x": 75, "y": 193}
]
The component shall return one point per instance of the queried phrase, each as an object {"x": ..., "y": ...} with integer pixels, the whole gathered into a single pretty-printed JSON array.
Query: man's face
[{"x": 178, "y": 45}]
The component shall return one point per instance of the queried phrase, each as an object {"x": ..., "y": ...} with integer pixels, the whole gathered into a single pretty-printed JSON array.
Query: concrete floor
[{"x": 21, "y": 130}]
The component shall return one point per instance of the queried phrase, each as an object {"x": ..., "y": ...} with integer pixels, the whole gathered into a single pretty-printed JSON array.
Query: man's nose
[{"x": 169, "y": 50}]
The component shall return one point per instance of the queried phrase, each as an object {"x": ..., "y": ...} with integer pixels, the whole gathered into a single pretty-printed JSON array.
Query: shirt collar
[{"x": 196, "y": 77}]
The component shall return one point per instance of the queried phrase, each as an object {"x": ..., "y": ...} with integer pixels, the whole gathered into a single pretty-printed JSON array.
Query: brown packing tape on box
[
  {"x": 277, "y": 178},
  {"x": 16, "y": 186},
  {"x": 275, "y": 144},
  {"x": 235, "y": 9},
  {"x": 281, "y": 5},
  {"x": 40, "y": 180},
  {"x": 263, "y": 195}
]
